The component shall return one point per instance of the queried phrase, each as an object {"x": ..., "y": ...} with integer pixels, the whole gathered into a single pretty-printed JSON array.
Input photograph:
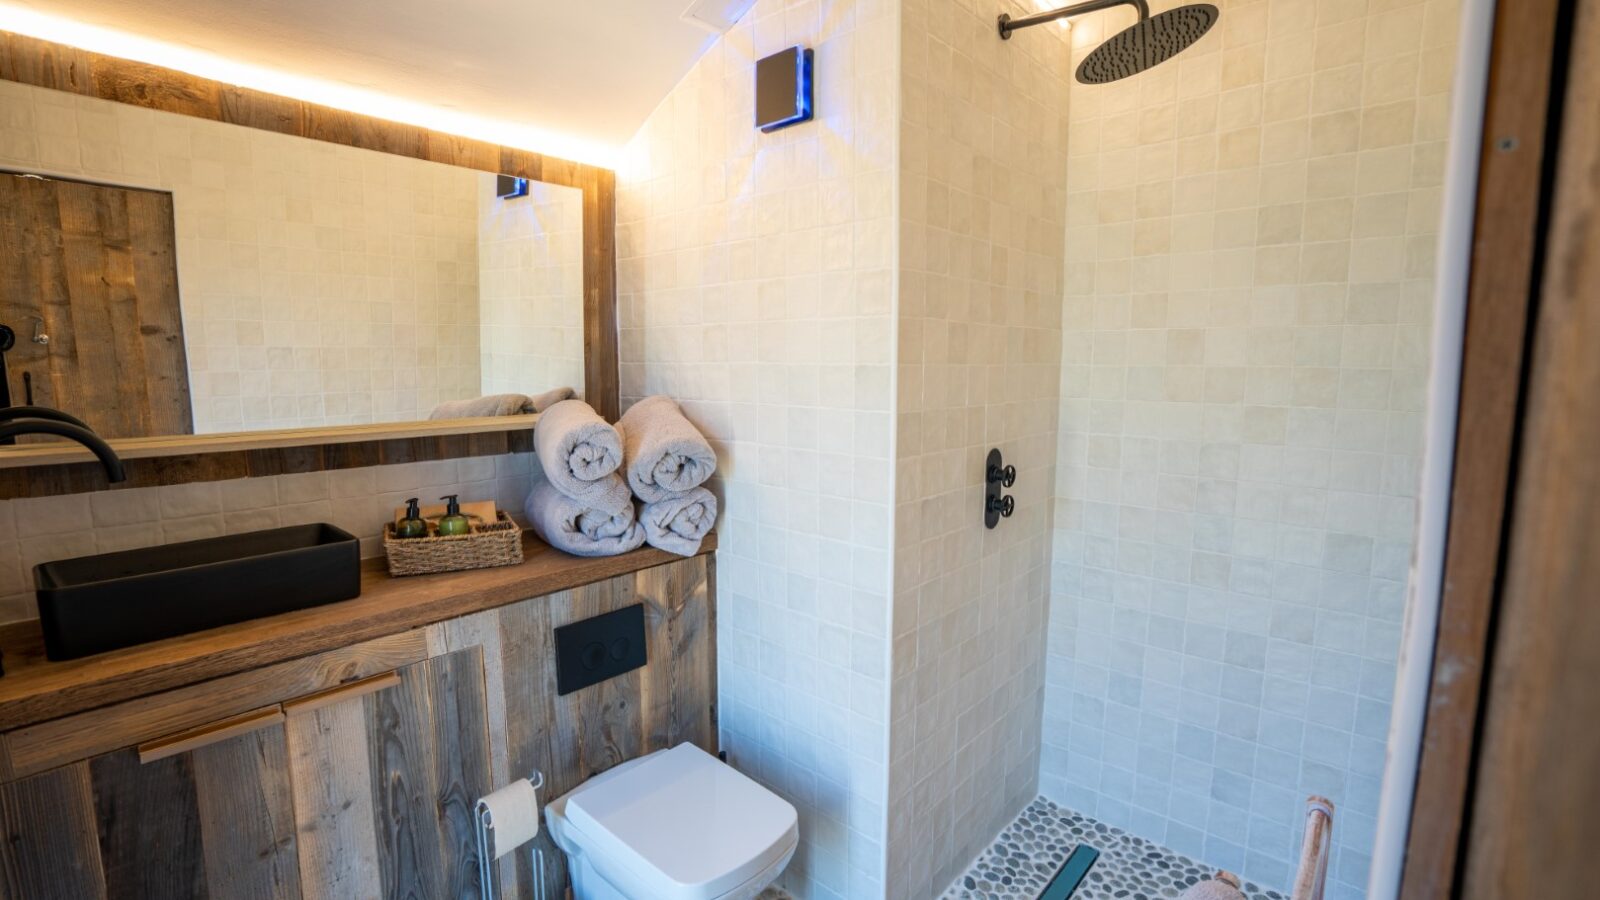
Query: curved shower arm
[
  {"x": 84, "y": 436},
  {"x": 41, "y": 412},
  {"x": 1008, "y": 24}
]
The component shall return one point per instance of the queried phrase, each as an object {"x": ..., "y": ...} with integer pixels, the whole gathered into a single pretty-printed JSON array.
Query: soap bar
[{"x": 482, "y": 512}]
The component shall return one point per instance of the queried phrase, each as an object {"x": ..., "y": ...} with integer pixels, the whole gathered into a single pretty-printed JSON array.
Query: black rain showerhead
[
  {"x": 1150, "y": 41},
  {"x": 1147, "y": 43}
]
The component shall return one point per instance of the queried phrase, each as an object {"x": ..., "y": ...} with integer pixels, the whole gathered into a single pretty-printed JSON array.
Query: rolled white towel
[
  {"x": 678, "y": 524},
  {"x": 567, "y": 525},
  {"x": 580, "y": 454},
  {"x": 665, "y": 455}
]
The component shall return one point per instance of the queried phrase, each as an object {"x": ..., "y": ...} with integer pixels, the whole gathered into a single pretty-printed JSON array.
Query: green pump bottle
[
  {"x": 453, "y": 523},
  {"x": 413, "y": 525}
]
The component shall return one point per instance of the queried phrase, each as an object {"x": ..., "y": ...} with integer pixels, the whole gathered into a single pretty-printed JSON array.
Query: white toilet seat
[{"x": 677, "y": 824}]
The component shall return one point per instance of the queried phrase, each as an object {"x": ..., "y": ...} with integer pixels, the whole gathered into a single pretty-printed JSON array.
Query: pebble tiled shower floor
[{"x": 1021, "y": 861}]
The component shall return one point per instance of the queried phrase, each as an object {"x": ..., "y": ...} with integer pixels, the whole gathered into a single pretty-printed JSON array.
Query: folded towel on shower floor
[
  {"x": 580, "y": 453},
  {"x": 678, "y": 524},
  {"x": 665, "y": 455},
  {"x": 567, "y": 525}
]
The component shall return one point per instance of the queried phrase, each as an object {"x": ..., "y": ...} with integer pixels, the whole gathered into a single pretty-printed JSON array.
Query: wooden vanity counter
[
  {"x": 34, "y": 689},
  {"x": 337, "y": 751}
]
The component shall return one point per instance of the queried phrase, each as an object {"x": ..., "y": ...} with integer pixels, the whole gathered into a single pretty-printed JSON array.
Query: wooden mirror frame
[{"x": 48, "y": 469}]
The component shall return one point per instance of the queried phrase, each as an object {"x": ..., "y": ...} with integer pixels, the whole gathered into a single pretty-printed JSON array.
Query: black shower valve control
[{"x": 997, "y": 477}]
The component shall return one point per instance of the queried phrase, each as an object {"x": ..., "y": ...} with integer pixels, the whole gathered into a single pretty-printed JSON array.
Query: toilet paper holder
[{"x": 486, "y": 862}]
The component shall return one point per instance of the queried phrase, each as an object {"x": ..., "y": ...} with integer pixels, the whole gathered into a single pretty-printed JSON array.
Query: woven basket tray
[{"x": 487, "y": 546}]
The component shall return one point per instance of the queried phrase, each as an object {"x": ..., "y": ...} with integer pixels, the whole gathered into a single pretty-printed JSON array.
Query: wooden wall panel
[
  {"x": 98, "y": 265},
  {"x": 1512, "y": 198},
  {"x": 1534, "y": 812}
]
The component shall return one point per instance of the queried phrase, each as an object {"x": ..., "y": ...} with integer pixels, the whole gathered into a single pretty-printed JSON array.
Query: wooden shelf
[{"x": 35, "y": 690}]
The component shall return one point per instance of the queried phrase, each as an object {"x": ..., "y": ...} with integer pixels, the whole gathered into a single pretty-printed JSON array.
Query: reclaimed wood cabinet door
[
  {"x": 385, "y": 784},
  {"x": 365, "y": 790},
  {"x": 215, "y": 821}
]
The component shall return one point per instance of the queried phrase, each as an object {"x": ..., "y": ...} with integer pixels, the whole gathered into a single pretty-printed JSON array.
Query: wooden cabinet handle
[
  {"x": 347, "y": 691},
  {"x": 210, "y": 733}
]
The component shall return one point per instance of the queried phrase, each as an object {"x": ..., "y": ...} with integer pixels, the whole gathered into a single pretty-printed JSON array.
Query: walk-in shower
[{"x": 1150, "y": 41}]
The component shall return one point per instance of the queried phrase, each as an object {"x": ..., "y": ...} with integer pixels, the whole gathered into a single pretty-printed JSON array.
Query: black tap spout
[{"x": 84, "y": 436}]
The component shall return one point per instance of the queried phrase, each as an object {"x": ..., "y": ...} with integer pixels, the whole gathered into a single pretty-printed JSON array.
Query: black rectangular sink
[{"x": 97, "y": 603}]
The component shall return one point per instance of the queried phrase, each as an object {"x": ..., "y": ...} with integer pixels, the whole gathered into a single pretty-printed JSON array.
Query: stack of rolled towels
[{"x": 594, "y": 471}]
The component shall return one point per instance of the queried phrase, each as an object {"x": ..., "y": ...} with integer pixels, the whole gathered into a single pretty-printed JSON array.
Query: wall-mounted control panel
[{"x": 598, "y": 648}]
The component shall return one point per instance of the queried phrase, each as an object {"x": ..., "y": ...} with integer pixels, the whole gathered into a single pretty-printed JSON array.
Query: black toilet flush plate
[{"x": 598, "y": 648}]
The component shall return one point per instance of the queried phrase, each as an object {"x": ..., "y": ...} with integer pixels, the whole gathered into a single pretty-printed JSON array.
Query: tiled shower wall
[
  {"x": 982, "y": 194},
  {"x": 1250, "y": 235},
  {"x": 757, "y": 286},
  {"x": 321, "y": 284}
]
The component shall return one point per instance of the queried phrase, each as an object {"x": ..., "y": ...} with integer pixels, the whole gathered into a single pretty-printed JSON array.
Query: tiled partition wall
[
  {"x": 757, "y": 285},
  {"x": 321, "y": 284},
  {"x": 983, "y": 168},
  {"x": 1250, "y": 234},
  {"x": 358, "y": 500}
]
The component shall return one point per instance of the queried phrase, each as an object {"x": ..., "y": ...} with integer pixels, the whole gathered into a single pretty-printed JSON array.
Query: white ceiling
[{"x": 589, "y": 69}]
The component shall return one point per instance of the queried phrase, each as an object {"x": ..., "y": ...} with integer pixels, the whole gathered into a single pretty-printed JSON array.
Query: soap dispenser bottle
[
  {"x": 453, "y": 523},
  {"x": 413, "y": 525}
]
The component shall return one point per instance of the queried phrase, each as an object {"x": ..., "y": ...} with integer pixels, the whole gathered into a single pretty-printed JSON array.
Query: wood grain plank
[
  {"x": 35, "y": 690},
  {"x": 599, "y": 726},
  {"x": 149, "y": 827},
  {"x": 528, "y": 669},
  {"x": 400, "y": 748},
  {"x": 657, "y": 589},
  {"x": 1504, "y": 264},
  {"x": 58, "y": 861},
  {"x": 32, "y": 270},
  {"x": 151, "y": 236},
  {"x": 247, "y": 821},
  {"x": 693, "y": 641},
  {"x": 602, "y": 386},
  {"x": 461, "y": 741},
  {"x": 483, "y": 631},
  {"x": 1533, "y": 813},
  {"x": 331, "y": 780},
  {"x": 52, "y": 743}
]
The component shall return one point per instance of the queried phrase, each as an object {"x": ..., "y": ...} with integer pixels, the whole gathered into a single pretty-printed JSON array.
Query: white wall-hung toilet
[{"x": 677, "y": 824}]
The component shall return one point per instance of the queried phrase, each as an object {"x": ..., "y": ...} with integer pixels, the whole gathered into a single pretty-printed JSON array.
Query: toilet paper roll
[{"x": 514, "y": 812}]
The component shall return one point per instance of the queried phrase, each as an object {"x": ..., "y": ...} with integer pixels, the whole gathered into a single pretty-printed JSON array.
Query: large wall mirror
[{"x": 170, "y": 275}]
